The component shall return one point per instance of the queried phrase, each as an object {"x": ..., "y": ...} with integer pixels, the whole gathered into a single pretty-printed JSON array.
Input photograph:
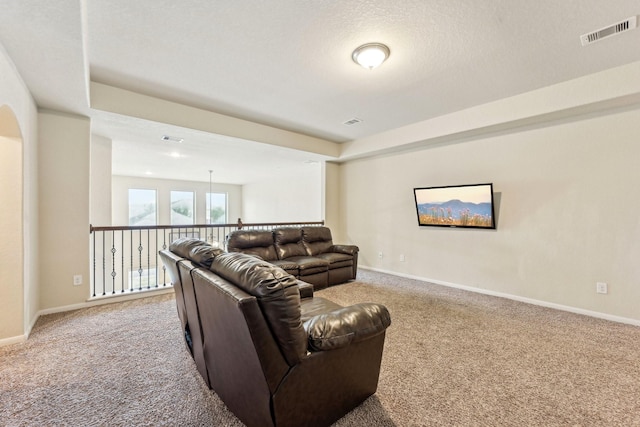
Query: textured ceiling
[{"x": 288, "y": 63}]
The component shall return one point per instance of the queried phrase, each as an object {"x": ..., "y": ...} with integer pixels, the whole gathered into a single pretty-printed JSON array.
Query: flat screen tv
[{"x": 464, "y": 206}]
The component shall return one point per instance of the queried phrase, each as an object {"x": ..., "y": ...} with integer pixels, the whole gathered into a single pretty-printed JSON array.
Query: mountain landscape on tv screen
[{"x": 455, "y": 213}]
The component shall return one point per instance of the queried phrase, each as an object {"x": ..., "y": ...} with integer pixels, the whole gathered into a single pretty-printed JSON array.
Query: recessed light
[{"x": 175, "y": 155}]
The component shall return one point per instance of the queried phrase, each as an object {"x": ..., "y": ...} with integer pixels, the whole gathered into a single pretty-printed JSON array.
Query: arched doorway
[{"x": 12, "y": 291}]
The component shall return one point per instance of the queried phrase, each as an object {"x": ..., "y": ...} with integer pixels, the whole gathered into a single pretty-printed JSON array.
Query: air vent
[
  {"x": 351, "y": 122},
  {"x": 611, "y": 30},
  {"x": 172, "y": 139}
]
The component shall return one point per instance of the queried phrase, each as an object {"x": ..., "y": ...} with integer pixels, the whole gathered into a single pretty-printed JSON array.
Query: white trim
[
  {"x": 13, "y": 340},
  {"x": 32, "y": 324},
  {"x": 555, "y": 306},
  {"x": 108, "y": 299}
]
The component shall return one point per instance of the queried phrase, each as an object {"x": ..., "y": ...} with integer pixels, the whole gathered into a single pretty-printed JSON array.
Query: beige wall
[
  {"x": 567, "y": 217},
  {"x": 20, "y": 121},
  {"x": 11, "y": 247},
  {"x": 100, "y": 193},
  {"x": 331, "y": 201},
  {"x": 64, "y": 142}
]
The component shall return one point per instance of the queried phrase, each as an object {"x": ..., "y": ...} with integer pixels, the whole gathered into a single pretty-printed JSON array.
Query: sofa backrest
[
  {"x": 196, "y": 250},
  {"x": 244, "y": 362},
  {"x": 317, "y": 240},
  {"x": 288, "y": 241},
  {"x": 277, "y": 294},
  {"x": 252, "y": 242}
]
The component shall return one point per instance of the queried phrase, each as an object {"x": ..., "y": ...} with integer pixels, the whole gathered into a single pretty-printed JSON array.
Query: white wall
[
  {"x": 15, "y": 95},
  {"x": 295, "y": 196},
  {"x": 122, "y": 184},
  {"x": 567, "y": 214}
]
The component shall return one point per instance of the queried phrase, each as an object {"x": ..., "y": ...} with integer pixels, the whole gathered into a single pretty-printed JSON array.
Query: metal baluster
[
  {"x": 94, "y": 263},
  {"x": 104, "y": 266},
  {"x": 122, "y": 259},
  {"x": 113, "y": 262},
  {"x": 156, "y": 256},
  {"x": 130, "y": 279},
  {"x": 140, "y": 260},
  {"x": 148, "y": 259},
  {"x": 164, "y": 247}
]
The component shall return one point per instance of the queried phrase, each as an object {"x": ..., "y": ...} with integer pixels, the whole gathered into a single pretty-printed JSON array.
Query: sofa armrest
[
  {"x": 341, "y": 327},
  {"x": 306, "y": 289},
  {"x": 345, "y": 249}
]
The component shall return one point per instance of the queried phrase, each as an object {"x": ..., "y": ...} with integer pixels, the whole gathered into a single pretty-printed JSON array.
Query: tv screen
[{"x": 466, "y": 206}]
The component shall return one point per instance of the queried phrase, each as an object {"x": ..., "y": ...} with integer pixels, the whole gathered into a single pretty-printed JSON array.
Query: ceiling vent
[
  {"x": 172, "y": 139},
  {"x": 611, "y": 30},
  {"x": 353, "y": 121}
]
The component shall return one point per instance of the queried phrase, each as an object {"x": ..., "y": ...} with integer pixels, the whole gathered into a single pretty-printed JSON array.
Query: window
[
  {"x": 182, "y": 208},
  {"x": 216, "y": 208},
  {"x": 142, "y": 207}
]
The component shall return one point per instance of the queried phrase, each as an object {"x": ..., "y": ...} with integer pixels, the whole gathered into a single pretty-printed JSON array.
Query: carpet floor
[{"x": 451, "y": 358}]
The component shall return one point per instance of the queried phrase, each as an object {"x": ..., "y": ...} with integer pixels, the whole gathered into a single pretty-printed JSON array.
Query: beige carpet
[{"x": 451, "y": 358}]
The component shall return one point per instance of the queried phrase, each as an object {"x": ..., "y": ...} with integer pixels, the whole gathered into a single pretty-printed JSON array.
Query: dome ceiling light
[{"x": 370, "y": 55}]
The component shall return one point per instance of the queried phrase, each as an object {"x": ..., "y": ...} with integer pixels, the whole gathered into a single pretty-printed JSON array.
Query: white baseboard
[
  {"x": 109, "y": 299},
  {"x": 13, "y": 340},
  {"x": 89, "y": 303},
  {"x": 541, "y": 303}
]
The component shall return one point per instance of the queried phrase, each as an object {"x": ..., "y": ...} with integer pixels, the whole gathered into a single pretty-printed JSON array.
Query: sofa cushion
[
  {"x": 288, "y": 241},
  {"x": 310, "y": 265},
  {"x": 312, "y": 307},
  {"x": 196, "y": 250},
  {"x": 253, "y": 242},
  {"x": 287, "y": 265},
  {"x": 277, "y": 294},
  {"x": 317, "y": 240},
  {"x": 336, "y": 260},
  {"x": 343, "y": 326}
]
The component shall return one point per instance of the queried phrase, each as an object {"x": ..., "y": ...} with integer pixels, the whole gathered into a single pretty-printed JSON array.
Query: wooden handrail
[{"x": 240, "y": 225}]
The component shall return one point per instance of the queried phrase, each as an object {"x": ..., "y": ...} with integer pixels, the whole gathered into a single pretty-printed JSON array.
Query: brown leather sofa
[
  {"x": 307, "y": 253},
  {"x": 275, "y": 353}
]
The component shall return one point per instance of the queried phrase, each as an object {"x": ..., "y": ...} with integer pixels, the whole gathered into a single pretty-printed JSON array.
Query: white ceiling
[{"x": 287, "y": 64}]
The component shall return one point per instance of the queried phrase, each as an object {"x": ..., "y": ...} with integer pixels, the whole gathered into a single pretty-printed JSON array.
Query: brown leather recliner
[
  {"x": 277, "y": 359},
  {"x": 305, "y": 252},
  {"x": 185, "y": 255}
]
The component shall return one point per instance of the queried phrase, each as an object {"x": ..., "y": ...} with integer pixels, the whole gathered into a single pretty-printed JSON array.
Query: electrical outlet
[
  {"x": 77, "y": 280},
  {"x": 380, "y": 254},
  {"x": 601, "y": 287},
  {"x": 402, "y": 258}
]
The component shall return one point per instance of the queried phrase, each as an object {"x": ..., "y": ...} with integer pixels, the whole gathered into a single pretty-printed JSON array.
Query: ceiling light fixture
[{"x": 371, "y": 55}]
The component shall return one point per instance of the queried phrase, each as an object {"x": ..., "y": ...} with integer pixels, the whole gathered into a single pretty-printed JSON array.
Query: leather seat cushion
[
  {"x": 315, "y": 306},
  {"x": 310, "y": 265},
  {"x": 336, "y": 260}
]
